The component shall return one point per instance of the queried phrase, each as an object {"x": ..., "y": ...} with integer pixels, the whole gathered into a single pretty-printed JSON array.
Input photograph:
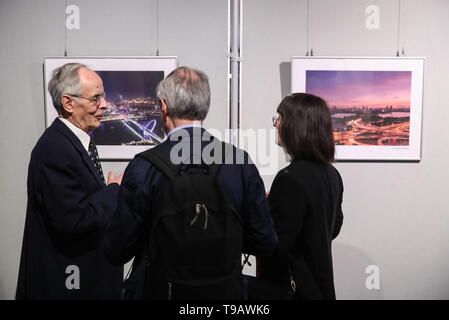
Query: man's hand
[{"x": 113, "y": 179}]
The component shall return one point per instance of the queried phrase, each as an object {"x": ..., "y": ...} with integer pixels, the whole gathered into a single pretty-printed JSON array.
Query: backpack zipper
[
  {"x": 197, "y": 214},
  {"x": 206, "y": 216}
]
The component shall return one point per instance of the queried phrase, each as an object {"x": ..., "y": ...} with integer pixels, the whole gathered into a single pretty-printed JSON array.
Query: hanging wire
[
  {"x": 157, "y": 27},
  {"x": 399, "y": 25},
  {"x": 307, "y": 29},
  {"x": 65, "y": 30}
]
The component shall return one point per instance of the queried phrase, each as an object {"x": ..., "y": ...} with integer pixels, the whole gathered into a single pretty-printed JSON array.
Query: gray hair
[
  {"x": 186, "y": 92},
  {"x": 65, "y": 80}
]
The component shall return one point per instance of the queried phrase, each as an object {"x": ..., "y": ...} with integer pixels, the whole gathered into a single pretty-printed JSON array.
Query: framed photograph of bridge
[
  {"x": 132, "y": 122},
  {"x": 375, "y": 103}
]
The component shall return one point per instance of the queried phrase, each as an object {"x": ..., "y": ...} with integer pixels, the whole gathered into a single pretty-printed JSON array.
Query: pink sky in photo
[{"x": 347, "y": 89}]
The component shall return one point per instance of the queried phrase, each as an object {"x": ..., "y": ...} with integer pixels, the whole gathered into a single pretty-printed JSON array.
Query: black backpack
[{"x": 195, "y": 239}]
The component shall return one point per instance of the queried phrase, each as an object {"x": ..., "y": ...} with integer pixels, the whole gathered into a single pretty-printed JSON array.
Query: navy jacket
[
  {"x": 68, "y": 208},
  {"x": 143, "y": 184}
]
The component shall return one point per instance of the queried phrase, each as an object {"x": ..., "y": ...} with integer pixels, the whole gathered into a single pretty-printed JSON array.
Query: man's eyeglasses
[
  {"x": 275, "y": 119},
  {"x": 96, "y": 99}
]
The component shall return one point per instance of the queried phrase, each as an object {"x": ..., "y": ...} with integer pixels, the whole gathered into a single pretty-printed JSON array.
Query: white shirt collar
[
  {"x": 83, "y": 136},
  {"x": 190, "y": 125}
]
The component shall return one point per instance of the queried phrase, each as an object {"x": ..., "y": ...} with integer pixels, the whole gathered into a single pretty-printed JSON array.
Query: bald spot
[{"x": 189, "y": 75}]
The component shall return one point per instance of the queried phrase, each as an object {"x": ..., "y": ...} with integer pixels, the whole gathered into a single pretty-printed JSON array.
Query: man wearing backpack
[{"x": 189, "y": 207}]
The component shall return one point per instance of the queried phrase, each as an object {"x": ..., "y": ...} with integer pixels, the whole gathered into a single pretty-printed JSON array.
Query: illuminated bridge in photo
[
  {"x": 147, "y": 132},
  {"x": 142, "y": 132}
]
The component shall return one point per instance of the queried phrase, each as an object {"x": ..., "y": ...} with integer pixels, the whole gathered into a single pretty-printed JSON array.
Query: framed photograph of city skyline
[
  {"x": 132, "y": 122},
  {"x": 375, "y": 103}
]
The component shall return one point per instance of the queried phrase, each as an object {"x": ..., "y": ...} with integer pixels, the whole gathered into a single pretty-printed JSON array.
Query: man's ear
[
  {"x": 164, "y": 108},
  {"x": 67, "y": 104}
]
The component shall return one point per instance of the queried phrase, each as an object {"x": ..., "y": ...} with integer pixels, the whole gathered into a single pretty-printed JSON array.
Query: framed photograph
[
  {"x": 132, "y": 123},
  {"x": 375, "y": 103}
]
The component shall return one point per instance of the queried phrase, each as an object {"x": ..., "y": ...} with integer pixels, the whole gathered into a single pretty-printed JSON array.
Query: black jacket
[
  {"x": 305, "y": 203},
  {"x": 67, "y": 211}
]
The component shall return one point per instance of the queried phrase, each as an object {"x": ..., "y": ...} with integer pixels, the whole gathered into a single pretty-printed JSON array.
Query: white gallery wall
[{"x": 396, "y": 217}]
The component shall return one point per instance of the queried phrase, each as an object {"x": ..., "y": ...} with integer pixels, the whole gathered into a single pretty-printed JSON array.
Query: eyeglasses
[
  {"x": 96, "y": 99},
  {"x": 276, "y": 119}
]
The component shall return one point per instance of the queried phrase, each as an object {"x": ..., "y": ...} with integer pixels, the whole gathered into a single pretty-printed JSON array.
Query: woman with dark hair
[{"x": 305, "y": 201}]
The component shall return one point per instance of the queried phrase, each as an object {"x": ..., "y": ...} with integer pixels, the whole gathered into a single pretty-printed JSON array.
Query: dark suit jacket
[
  {"x": 305, "y": 203},
  {"x": 143, "y": 184},
  {"x": 68, "y": 208}
]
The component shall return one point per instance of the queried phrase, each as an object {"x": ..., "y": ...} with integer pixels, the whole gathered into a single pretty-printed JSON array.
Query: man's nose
[{"x": 103, "y": 103}]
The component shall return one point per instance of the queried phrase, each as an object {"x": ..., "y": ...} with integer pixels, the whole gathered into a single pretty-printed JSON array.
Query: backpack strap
[{"x": 161, "y": 161}]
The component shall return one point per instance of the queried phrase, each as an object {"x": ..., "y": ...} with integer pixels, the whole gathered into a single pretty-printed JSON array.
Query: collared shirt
[
  {"x": 83, "y": 136},
  {"x": 190, "y": 125}
]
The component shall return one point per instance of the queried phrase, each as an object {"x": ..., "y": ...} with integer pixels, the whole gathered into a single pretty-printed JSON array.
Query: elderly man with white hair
[{"x": 69, "y": 203}]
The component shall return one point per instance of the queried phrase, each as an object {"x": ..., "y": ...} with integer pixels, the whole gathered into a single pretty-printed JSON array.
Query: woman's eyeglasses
[{"x": 275, "y": 119}]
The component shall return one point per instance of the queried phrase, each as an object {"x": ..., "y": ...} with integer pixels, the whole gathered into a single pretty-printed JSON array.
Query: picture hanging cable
[
  {"x": 399, "y": 27},
  {"x": 307, "y": 28},
  {"x": 65, "y": 30},
  {"x": 157, "y": 27}
]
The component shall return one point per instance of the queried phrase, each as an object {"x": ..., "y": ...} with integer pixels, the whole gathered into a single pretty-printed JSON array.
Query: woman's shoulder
[
  {"x": 306, "y": 167},
  {"x": 304, "y": 171},
  {"x": 295, "y": 173}
]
